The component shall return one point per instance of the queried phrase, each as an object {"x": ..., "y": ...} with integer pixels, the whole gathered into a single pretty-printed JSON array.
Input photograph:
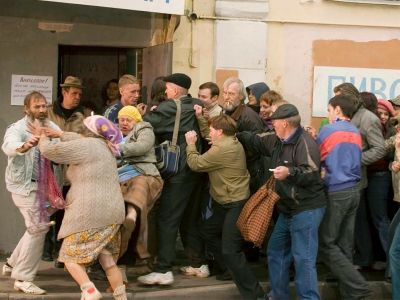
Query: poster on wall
[
  {"x": 384, "y": 83},
  {"x": 21, "y": 85}
]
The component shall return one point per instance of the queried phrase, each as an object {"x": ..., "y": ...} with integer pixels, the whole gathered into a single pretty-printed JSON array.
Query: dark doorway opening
[{"x": 96, "y": 66}]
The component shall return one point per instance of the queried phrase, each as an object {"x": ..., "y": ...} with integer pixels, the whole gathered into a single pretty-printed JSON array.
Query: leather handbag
[
  {"x": 256, "y": 214},
  {"x": 168, "y": 152}
]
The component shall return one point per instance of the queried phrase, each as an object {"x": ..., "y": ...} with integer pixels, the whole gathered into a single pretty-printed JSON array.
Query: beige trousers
[{"x": 26, "y": 256}]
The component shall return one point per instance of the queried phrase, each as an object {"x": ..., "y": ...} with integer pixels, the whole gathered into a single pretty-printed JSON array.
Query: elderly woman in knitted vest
[{"x": 94, "y": 204}]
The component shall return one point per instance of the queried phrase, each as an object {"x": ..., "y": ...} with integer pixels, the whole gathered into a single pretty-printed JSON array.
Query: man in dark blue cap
[
  {"x": 180, "y": 189},
  {"x": 295, "y": 163}
]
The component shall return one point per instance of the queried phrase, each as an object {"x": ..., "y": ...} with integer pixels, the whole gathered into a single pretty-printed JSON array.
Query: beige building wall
[
  {"x": 295, "y": 36},
  {"x": 193, "y": 45},
  {"x": 228, "y": 38}
]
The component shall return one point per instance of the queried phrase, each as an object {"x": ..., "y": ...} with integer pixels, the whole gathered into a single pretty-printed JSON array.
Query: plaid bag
[{"x": 256, "y": 214}]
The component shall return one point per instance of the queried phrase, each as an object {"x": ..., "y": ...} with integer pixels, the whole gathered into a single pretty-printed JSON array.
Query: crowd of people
[{"x": 335, "y": 185}]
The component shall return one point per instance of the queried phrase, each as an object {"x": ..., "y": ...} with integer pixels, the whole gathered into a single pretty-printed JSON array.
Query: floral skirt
[{"x": 84, "y": 247}]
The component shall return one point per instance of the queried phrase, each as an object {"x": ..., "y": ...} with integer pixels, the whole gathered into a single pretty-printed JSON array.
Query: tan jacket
[
  {"x": 73, "y": 124},
  {"x": 225, "y": 164}
]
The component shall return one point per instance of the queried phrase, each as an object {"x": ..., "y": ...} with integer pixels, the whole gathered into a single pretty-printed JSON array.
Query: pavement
[{"x": 59, "y": 285}]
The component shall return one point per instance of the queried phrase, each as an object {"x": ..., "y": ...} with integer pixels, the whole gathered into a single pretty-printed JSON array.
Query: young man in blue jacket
[{"x": 341, "y": 149}]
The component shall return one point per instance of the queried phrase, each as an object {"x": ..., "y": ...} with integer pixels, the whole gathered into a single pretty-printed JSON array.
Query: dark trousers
[
  {"x": 174, "y": 200},
  {"x": 336, "y": 236},
  {"x": 225, "y": 241},
  {"x": 378, "y": 195},
  {"x": 362, "y": 234},
  {"x": 192, "y": 240}
]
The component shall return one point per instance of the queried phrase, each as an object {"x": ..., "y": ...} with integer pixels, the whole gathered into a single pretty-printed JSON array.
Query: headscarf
[
  {"x": 106, "y": 129},
  {"x": 130, "y": 111}
]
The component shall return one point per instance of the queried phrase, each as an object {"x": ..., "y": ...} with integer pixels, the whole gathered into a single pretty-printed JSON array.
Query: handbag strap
[
  {"x": 177, "y": 122},
  {"x": 270, "y": 182}
]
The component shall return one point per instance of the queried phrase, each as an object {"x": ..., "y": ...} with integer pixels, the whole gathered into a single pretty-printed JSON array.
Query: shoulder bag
[{"x": 167, "y": 153}]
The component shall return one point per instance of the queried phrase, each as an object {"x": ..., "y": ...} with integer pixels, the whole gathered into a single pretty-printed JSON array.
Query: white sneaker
[
  {"x": 379, "y": 265},
  {"x": 201, "y": 272},
  {"x": 6, "y": 271},
  {"x": 28, "y": 287},
  {"x": 157, "y": 278}
]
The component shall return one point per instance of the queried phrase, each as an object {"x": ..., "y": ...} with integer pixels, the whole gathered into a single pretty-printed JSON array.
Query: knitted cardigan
[{"x": 94, "y": 199}]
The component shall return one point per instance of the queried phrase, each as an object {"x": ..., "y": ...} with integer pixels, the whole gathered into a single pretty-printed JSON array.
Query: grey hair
[
  {"x": 294, "y": 121},
  {"x": 182, "y": 90},
  {"x": 242, "y": 89}
]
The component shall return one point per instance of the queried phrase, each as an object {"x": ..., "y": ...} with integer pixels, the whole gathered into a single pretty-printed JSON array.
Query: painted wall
[
  {"x": 311, "y": 33},
  {"x": 218, "y": 44},
  {"x": 193, "y": 45},
  {"x": 25, "y": 49}
]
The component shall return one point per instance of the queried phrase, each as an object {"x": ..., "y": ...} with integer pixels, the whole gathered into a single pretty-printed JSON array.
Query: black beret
[
  {"x": 179, "y": 79},
  {"x": 285, "y": 111}
]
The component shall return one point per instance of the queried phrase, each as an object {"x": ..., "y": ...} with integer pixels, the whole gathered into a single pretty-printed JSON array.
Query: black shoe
[
  {"x": 47, "y": 257},
  {"x": 224, "y": 276},
  {"x": 58, "y": 264}
]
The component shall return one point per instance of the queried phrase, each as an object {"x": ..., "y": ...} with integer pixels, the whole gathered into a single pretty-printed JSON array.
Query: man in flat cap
[
  {"x": 68, "y": 113},
  {"x": 296, "y": 164},
  {"x": 180, "y": 189}
]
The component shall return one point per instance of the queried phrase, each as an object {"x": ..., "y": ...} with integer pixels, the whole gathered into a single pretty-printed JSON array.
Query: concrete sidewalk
[{"x": 59, "y": 285}]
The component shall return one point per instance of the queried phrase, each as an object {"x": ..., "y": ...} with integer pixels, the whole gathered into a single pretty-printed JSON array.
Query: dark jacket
[
  {"x": 248, "y": 120},
  {"x": 257, "y": 89},
  {"x": 303, "y": 189},
  {"x": 163, "y": 119}
]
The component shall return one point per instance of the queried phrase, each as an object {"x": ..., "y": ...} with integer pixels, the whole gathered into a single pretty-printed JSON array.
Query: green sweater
[{"x": 225, "y": 164}]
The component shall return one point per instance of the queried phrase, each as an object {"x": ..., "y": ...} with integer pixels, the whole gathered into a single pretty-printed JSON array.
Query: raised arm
[
  {"x": 17, "y": 142},
  {"x": 257, "y": 144},
  {"x": 67, "y": 152}
]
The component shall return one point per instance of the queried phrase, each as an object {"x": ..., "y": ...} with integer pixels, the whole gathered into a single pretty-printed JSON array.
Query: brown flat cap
[{"x": 72, "y": 81}]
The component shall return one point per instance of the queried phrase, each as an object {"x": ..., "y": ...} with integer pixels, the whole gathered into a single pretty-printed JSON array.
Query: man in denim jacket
[{"x": 21, "y": 180}]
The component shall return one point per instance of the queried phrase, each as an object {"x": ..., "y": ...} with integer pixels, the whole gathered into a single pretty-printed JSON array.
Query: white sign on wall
[
  {"x": 384, "y": 83},
  {"x": 174, "y": 7},
  {"x": 21, "y": 85}
]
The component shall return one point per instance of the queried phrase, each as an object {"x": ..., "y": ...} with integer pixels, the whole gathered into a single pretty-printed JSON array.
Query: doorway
[{"x": 96, "y": 66}]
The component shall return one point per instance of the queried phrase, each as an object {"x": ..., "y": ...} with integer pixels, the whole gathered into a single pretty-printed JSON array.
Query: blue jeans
[
  {"x": 394, "y": 256},
  {"x": 392, "y": 230},
  {"x": 295, "y": 237}
]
